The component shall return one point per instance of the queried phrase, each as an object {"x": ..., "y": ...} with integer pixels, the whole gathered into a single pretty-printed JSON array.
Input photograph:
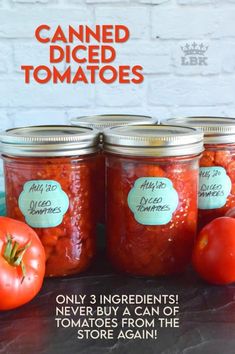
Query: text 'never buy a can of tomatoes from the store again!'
[
  {"x": 216, "y": 195},
  {"x": 102, "y": 122},
  {"x": 50, "y": 180},
  {"x": 152, "y": 185}
]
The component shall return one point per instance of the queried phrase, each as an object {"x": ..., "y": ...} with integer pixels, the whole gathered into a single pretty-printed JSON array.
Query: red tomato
[
  {"x": 22, "y": 263},
  {"x": 214, "y": 251}
]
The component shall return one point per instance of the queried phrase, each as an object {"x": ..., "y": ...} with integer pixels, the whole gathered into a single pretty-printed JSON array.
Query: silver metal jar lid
[
  {"x": 217, "y": 130},
  {"x": 101, "y": 122},
  {"x": 49, "y": 140},
  {"x": 153, "y": 140}
]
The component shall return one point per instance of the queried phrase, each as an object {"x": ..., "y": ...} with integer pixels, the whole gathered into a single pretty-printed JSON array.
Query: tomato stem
[
  {"x": 14, "y": 250},
  {"x": 14, "y": 255},
  {"x": 7, "y": 252}
]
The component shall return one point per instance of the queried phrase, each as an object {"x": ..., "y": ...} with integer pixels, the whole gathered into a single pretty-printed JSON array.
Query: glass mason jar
[
  {"x": 216, "y": 195},
  {"x": 152, "y": 185},
  {"x": 50, "y": 184},
  {"x": 100, "y": 123}
]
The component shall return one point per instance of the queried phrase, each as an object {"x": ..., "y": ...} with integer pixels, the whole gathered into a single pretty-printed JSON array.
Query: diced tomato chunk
[
  {"x": 69, "y": 246},
  {"x": 151, "y": 249}
]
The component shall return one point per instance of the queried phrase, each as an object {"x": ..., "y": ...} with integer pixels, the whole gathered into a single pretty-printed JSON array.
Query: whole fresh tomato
[
  {"x": 214, "y": 251},
  {"x": 22, "y": 263}
]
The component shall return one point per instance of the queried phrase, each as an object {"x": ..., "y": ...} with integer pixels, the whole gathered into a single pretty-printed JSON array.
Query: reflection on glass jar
[{"x": 151, "y": 197}]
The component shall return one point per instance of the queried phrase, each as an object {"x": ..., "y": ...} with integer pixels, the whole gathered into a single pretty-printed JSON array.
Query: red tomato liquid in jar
[
  {"x": 152, "y": 185},
  {"x": 217, "y": 166},
  {"x": 54, "y": 194},
  {"x": 100, "y": 123}
]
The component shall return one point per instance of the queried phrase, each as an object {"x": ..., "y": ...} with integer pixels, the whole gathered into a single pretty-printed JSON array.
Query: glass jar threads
[
  {"x": 101, "y": 122},
  {"x": 152, "y": 185},
  {"x": 216, "y": 194},
  {"x": 50, "y": 181}
]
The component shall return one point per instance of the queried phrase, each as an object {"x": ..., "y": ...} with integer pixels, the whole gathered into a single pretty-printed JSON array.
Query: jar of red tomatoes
[
  {"x": 102, "y": 122},
  {"x": 216, "y": 196},
  {"x": 50, "y": 181},
  {"x": 152, "y": 185}
]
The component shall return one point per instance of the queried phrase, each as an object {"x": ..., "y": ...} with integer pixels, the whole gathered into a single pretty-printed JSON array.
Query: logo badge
[{"x": 194, "y": 54}]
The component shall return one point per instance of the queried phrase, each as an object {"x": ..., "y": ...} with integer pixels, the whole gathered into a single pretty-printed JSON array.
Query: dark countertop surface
[{"x": 206, "y": 317}]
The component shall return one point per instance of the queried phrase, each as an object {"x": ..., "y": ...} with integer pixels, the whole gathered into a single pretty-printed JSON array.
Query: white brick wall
[{"x": 158, "y": 30}]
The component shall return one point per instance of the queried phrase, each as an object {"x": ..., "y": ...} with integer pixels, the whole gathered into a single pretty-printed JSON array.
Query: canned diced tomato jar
[
  {"x": 50, "y": 176},
  {"x": 152, "y": 185},
  {"x": 217, "y": 166},
  {"x": 100, "y": 123}
]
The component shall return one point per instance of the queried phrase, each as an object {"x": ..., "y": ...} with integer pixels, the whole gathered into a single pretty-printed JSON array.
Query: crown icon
[{"x": 194, "y": 49}]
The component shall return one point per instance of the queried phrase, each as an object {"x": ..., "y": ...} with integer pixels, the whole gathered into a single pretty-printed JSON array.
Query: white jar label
[
  {"x": 153, "y": 200},
  {"x": 214, "y": 187},
  {"x": 43, "y": 203}
]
